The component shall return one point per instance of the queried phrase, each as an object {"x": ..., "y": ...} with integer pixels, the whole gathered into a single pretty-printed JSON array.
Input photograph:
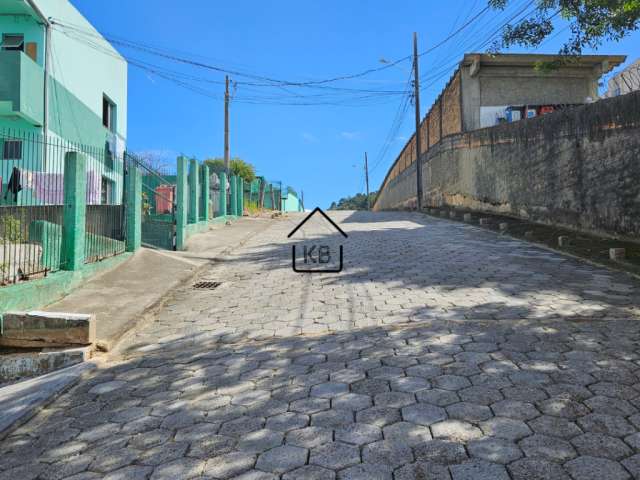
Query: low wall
[{"x": 578, "y": 168}]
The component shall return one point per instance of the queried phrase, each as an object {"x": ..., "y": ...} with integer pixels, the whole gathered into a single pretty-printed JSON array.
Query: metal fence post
[
  {"x": 223, "y": 193},
  {"x": 74, "y": 210},
  {"x": 205, "y": 192},
  {"x": 234, "y": 195},
  {"x": 182, "y": 200},
  {"x": 133, "y": 185},
  {"x": 193, "y": 191}
]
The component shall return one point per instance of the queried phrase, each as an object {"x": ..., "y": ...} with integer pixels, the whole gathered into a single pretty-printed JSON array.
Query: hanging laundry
[{"x": 14, "y": 185}]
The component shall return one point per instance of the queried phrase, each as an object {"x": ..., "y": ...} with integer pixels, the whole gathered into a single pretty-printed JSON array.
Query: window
[
  {"x": 106, "y": 191},
  {"x": 108, "y": 114},
  {"x": 12, "y": 150},
  {"x": 13, "y": 42}
]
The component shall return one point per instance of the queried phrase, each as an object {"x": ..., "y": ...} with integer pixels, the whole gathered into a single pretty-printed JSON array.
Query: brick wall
[
  {"x": 452, "y": 107},
  {"x": 577, "y": 168}
]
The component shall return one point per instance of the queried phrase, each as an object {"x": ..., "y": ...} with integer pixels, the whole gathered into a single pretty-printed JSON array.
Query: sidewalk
[{"x": 120, "y": 298}]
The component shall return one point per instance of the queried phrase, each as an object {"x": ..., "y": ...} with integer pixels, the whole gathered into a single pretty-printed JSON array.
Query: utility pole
[
  {"x": 226, "y": 124},
  {"x": 416, "y": 84},
  {"x": 366, "y": 177}
]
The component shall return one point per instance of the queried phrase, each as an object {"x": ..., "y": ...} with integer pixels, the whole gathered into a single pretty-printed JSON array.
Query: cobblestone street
[{"x": 442, "y": 351}]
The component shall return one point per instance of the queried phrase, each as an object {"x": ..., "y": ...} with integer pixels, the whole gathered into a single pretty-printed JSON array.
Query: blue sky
[{"x": 316, "y": 148}]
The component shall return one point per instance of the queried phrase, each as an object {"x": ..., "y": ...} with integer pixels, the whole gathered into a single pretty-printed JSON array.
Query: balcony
[{"x": 21, "y": 87}]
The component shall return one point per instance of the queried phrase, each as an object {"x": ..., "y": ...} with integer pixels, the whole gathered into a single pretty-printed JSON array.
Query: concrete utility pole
[
  {"x": 226, "y": 124},
  {"x": 416, "y": 84},
  {"x": 366, "y": 177}
]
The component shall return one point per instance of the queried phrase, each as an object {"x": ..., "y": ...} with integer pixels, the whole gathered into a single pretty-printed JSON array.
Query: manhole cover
[{"x": 206, "y": 285}]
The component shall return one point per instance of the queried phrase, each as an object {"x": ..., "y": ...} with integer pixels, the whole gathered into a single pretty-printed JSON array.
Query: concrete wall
[{"x": 577, "y": 168}]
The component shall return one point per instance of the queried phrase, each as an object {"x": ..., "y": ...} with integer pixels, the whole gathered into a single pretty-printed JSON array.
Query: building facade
[
  {"x": 61, "y": 83},
  {"x": 487, "y": 90}
]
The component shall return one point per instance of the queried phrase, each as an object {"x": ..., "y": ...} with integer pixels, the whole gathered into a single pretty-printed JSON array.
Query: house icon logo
[{"x": 318, "y": 255}]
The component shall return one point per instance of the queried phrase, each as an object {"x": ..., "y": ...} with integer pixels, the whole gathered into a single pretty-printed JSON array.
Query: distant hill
[{"x": 357, "y": 202}]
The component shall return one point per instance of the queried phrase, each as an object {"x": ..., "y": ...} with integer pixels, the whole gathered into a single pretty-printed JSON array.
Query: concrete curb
[{"x": 21, "y": 401}]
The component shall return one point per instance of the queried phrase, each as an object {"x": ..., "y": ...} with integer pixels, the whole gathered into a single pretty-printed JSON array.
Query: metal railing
[{"x": 32, "y": 172}]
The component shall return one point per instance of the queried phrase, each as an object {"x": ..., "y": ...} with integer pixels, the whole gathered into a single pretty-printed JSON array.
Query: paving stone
[
  {"x": 455, "y": 430},
  {"x": 563, "y": 406},
  {"x": 610, "y": 424},
  {"x": 133, "y": 472},
  {"x": 310, "y": 472},
  {"x": 184, "y": 468},
  {"x": 610, "y": 406},
  {"x": 228, "y": 465},
  {"x": 478, "y": 470},
  {"x": 106, "y": 387},
  {"x": 592, "y": 468},
  {"x": 506, "y": 428},
  {"x": 333, "y": 418},
  {"x": 407, "y": 432},
  {"x": 450, "y": 382},
  {"x": 163, "y": 453},
  {"x": 438, "y": 397},
  {"x": 282, "y": 459},
  {"x": 351, "y": 401},
  {"x": 409, "y": 384},
  {"x": 212, "y": 446},
  {"x": 480, "y": 394},
  {"x": 370, "y": 386},
  {"x": 536, "y": 469},
  {"x": 334, "y": 455},
  {"x": 309, "y": 437},
  {"x": 310, "y": 405},
  {"x": 601, "y": 445},
  {"x": 441, "y": 452},
  {"x": 555, "y": 427},
  {"x": 358, "y": 433},
  {"x": 388, "y": 453},
  {"x": 256, "y": 475},
  {"x": 548, "y": 448},
  {"x": 287, "y": 421},
  {"x": 496, "y": 450},
  {"x": 515, "y": 409},
  {"x": 422, "y": 471},
  {"x": 329, "y": 389},
  {"x": 469, "y": 412},
  {"x": 423, "y": 414},
  {"x": 632, "y": 464},
  {"x": 241, "y": 426},
  {"x": 260, "y": 441},
  {"x": 394, "y": 399},
  {"x": 379, "y": 416},
  {"x": 366, "y": 471}
]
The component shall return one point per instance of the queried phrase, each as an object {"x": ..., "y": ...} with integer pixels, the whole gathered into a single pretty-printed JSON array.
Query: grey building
[{"x": 509, "y": 87}]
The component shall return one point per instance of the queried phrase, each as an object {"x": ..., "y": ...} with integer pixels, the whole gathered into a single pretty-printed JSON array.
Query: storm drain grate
[{"x": 206, "y": 285}]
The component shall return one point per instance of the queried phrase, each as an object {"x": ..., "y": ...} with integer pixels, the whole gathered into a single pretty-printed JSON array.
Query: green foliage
[
  {"x": 357, "y": 202},
  {"x": 590, "y": 21},
  {"x": 10, "y": 229},
  {"x": 236, "y": 165}
]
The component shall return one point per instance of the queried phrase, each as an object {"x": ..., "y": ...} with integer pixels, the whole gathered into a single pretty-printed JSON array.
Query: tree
[
  {"x": 236, "y": 165},
  {"x": 591, "y": 22},
  {"x": 357, "y": 202}
]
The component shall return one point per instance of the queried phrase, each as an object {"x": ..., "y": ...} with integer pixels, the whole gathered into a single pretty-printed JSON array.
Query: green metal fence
[{"x": 32, "y": 183}]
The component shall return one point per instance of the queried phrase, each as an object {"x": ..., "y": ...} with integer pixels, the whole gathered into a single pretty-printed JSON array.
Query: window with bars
[{"x": 12, "y": 150}]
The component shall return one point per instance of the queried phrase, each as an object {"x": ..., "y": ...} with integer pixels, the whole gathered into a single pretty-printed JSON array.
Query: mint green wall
[
  {"x": 291, "y": 203},
  {"x": 75, "y": 90}
]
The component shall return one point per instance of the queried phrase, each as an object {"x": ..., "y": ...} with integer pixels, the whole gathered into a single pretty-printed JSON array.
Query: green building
[{"x": 59, "y": 80}]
